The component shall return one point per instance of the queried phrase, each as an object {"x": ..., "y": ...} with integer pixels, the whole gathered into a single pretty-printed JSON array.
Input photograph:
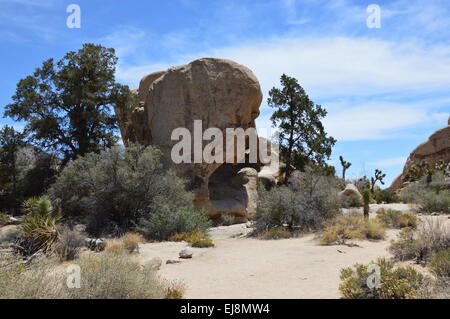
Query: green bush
[
  {"x": 431, "y": 196},
  {"x": 121, "y": 189},
  {"x": 352, "y": 201},
  {"x": 162, "y": 221},
  {"x": 432, "y": 201},
  {"x": 195, "y": 239},
  {"x": 395, "y": 283},
  {"x": 396, "y": 219},
  {"x": 309, "y": 199},
  {"x": 422, "y": 243},
  {"x": 386, "y": 196},
  {"x": 440, "y": 264}
]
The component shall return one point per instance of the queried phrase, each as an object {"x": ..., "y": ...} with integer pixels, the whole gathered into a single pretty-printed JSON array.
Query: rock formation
[
  {"x": 436, "y": 148},
  {"x": 350, "y": 189},
  {"x": 222, "y": 94}
]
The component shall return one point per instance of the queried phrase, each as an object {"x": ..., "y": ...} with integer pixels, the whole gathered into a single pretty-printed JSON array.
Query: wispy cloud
[{"x": 388, "y": 162}]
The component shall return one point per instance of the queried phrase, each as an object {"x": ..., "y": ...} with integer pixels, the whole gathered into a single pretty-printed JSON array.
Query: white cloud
[
  {"x": 388, "y": 162},
  {"x": 343, "y": 66},
  {"x": 342, "y": 72}
]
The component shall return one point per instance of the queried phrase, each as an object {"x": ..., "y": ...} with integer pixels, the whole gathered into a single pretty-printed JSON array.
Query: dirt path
[{"x": 254, "y": 268}]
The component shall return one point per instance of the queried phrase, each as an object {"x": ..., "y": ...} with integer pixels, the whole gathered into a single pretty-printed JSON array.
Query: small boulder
[
  {"x": 9, "y": 233},
  {"x": 154, "y": 263},
  {"x": 171, "y": 261},
  {"x": 186, "y": 253}
]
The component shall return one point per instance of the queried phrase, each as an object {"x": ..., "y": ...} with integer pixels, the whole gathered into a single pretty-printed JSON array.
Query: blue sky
[{"x": 386, "y": 89}]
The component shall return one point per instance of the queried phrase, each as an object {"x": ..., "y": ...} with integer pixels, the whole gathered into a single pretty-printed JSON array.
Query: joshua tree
[
  {"x": 345, "y": 165},
  {"x": 379, "y": 176},
  {"x": 440, "y": 166},
  {"x": 366, "y": 200}
]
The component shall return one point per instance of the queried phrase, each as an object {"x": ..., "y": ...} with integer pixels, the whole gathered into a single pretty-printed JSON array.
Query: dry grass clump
[
  {"x": 127, "y": 243},
  {"x": 103, "y": 276},
  {"x": 351, "y": 226},
  {"x": 116, "y": 276},
  {"x": 396, "y": 219},
  {"x": 131, "y": 241},
  {"x": 35, "y": 281},
  {"x": 69, "y": 244},
  {"x": 196, "y": 239},
  {"x": 175, "y": 290},
  {"x": 276, "y": 233}
]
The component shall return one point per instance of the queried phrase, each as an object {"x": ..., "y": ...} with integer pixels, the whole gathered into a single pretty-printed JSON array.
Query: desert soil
[{"x": 239, "y": 267}]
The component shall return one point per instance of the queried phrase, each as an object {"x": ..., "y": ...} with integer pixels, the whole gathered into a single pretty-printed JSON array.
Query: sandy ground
[{"x": 253, "y": 268}]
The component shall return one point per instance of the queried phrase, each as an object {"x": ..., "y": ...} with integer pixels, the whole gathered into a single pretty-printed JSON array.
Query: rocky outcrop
[
  {"x": 436, "y": 148},
  {"x": 221, "y": 94},
  {"x": 350, "y": 190}
]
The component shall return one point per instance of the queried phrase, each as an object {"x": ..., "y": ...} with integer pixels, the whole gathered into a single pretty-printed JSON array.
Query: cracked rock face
[
  {"x": 222, "y": 94},
  {"x": 436, "y": 148}
]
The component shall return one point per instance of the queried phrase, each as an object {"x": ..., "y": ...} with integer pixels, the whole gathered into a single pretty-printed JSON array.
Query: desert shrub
[
  {"x": 396, "y": 219},
  {"x": 421, "y": 244},
  {"x": 118, "y": 189},
  {"x": 200, "y": 240},
  {"x": 115, "y": 246},
  {"x": 386, "y": 196},
  {"x": 3, "y": 218},
  {"x": 131, "y": 241},
  {"x": 374, "y": 230},
  {"x": 276, "y": 233},
  {"x": 440, "y": 264},
  {"x": 432, "y": 201},
  {"x": 116, "y": 276},
  {"x": 195, "y": 239},
  {"x": 175, "y": 290},
  {"x": 351, "y": 201},
  {"x": 39, "y": 229},
  {"x": 342, "y": 229},
  {"x": 309, "y": 199},
  {"x": 162, "y": 221},
  {"x": 352, "y": 226},
  {"x": 104, "y": 276},
  {"x": 395, "y": 283},
  {"x": 433, "y": 196},
  {"x": 69, "y": 244},
  {"x": 128, "y": 243},
  {"x": 36, "y": 281}
]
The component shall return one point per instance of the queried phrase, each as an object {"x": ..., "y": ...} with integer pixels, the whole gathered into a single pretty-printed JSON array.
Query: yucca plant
[{"x": 39, "y": 228}]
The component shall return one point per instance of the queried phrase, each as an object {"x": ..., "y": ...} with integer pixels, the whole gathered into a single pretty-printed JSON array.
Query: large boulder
[
  {"x": 222, "y": 94},
  {"x": 435, "y": 149},
  {"x": 350, "y": 190}
]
